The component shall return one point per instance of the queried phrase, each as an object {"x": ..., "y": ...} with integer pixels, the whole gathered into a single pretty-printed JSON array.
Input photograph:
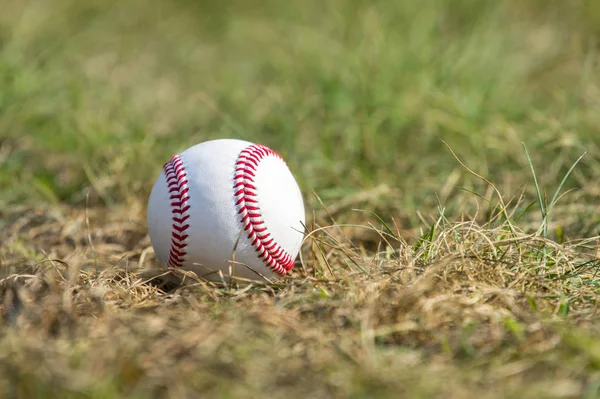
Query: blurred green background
[{"x": 97, "y": 94}]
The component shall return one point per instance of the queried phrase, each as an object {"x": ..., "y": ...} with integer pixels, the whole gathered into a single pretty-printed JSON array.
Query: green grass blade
[{"x": 539, "y": 193}]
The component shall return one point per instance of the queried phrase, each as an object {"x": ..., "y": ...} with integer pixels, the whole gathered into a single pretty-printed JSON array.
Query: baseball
[{"x": 227, "y": 205}]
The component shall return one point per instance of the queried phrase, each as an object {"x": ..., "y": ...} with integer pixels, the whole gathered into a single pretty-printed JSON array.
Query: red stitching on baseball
[
  {"x": 273, "y": 255},
  {"x": 179, "y": 197}
]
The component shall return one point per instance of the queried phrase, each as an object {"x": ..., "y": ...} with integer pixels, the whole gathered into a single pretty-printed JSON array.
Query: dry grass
[{"x": 470, "y": 311}]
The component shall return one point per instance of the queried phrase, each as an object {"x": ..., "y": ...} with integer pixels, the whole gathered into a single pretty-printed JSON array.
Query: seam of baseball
[
  {"x": 177, "y": 186},
  {"x": 269, "y": 251}
]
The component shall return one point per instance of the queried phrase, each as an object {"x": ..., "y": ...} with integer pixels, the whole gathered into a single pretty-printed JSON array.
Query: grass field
[{"x": 454, "y": 242}]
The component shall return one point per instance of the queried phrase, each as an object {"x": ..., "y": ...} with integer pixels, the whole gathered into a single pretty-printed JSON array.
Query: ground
[{"x": 448, "y": 154}]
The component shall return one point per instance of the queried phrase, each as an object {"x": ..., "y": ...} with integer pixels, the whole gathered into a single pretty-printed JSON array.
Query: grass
[{"x": 443, "y": 259}]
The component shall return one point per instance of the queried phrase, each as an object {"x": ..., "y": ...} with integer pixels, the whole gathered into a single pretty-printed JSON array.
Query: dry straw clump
[{"x": 466, "y": 310}]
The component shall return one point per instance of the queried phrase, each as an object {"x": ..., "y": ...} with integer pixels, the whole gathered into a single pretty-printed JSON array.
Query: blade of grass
[{"x": 540, "y": 197}]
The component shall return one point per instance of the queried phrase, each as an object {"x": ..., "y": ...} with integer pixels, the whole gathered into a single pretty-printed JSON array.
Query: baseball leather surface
[{"x": 227, "y": 205}]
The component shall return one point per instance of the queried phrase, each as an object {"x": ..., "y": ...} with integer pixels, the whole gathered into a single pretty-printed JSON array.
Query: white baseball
[{"x": 227, "y": 205}]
